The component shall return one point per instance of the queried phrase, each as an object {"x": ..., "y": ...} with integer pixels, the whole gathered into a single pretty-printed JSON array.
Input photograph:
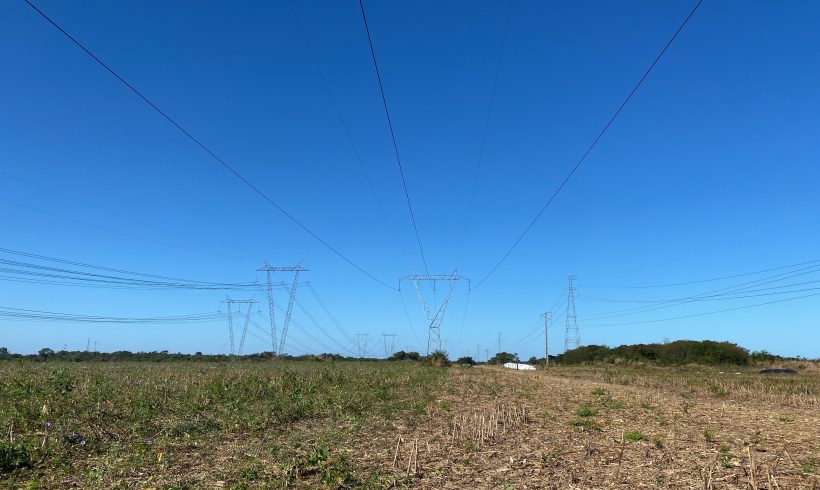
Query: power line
[
  {"x": 392, "y": 134},
  {"x": 484, "y": 133},
  {"x": 120, "y": 215},
  {"x": 346, "y": 129},
  {"x": 166, "y": 280},
  {"x": 709, "y": 295},
  {"x": 591, "y": 146},
  {"x": 706, "y": 313},
  {"x": 201, "y": 145},
  {"x": 26, "y": 314},
  {"x": 712, "y": 279}
]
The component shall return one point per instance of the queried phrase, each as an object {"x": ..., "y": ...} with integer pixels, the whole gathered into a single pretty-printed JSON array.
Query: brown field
[{"x": 406, "y": 425}]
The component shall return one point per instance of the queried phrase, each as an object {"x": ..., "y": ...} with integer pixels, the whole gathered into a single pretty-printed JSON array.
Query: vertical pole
[
  {"x": 547, "y": 317},
  {"x": 498, "y": 361}
]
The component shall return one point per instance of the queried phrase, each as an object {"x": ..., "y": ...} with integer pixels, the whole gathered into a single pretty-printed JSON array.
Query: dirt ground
[{"x": 526, "y": 430}]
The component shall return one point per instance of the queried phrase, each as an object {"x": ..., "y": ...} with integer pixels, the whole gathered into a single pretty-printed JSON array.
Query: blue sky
[{"x": 710, "y": 170}]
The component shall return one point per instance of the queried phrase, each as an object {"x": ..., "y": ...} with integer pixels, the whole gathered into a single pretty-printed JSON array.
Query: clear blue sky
[{"x": 711, "y": 170}]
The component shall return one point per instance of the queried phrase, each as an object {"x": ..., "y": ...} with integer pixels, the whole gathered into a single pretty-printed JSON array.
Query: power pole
[
  {"x": 229, "y": 305},
  {"x": 434, "y": 315},
  {"x": 486, "y": 354},
  {"x": 267, "y": 269},
  {"x": 388, "y": 351},
  {"x": 88, "y": 345},
  {"x": 572, "y": 337},
  {"x": 547, "y": 318},
  {"x": 361, "y": 341}
]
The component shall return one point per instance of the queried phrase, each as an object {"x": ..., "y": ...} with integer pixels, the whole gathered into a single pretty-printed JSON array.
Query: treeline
[
  {"x": 47, "y": 354},
  {"x": 675, "y": 353}
]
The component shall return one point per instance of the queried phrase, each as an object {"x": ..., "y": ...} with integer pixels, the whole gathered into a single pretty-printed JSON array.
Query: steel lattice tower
[
  {"x": 572, "y": 337},
  {"x": 230, "y": 302},
  {"x": 267, "y": 269},
  {"x": 434, "y": 315}
]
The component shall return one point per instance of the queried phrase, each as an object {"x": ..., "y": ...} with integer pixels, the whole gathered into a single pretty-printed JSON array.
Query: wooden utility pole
[{"x": 547, "y": 318}]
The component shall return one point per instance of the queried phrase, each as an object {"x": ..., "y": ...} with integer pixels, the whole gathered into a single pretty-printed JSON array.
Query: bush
[
  {"x": 465, "y": 361},
  {"x": 438, "y": 358},
  {"x": 670, "y": 354},
  {"x": 13, "y": 456}
]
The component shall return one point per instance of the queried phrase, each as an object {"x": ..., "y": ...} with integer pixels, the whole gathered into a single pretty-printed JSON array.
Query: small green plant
[
  {"x": 615, "y": 404},
  {"x": 634, "y": 435},
  {"x": 725, "y": 456},
  {"x": 584, "y": 423},
  {"x": 658, "y": 442},
  {"x": 586, "y": 411},
  {"x": 809, "y": 466},
  {"x": 709, "y": 435},
  {"x": 13, "y": 456},
  {"x": 599, "y": 392},
  {"x": 786, "y": 419}
]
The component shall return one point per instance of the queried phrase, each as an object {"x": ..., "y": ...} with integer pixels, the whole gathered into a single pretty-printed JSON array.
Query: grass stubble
[{"x": 404, "y": 425}]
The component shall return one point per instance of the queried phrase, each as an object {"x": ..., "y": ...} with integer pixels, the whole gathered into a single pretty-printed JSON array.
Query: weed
[
  {"x": 586, "y": 411},
  {"x": 634, "y": 435},
  {"x": 584, "y": 423},
  {"x": 13, "y": 456},
  {"x": 615, "y": 404},
  {"x": 599, "y": 392},
  {"x": 725, "y": 457},
  {"x": 786, "y": 419},
  {"x": 709, "y": 435},
  {"x": 809, "y": 466}
]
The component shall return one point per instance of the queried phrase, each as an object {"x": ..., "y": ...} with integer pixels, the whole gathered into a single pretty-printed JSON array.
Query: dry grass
[{"x": 416, "y": 427}]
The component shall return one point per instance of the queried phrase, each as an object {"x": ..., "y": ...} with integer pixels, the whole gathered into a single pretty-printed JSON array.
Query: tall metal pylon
[
  {"x": 572, "y": 336},
  {"x": 434, "y": 315},
  {"x": 389, "y": 340},
  {"x": 267, "y": 269},
  {"x": 361, "y": 342},
  {"x": 229, "y": 305}
]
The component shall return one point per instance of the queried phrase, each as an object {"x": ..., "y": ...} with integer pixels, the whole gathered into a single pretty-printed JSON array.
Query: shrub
[
  {"x": 438, "y": 358},
  {"x": 13, "y": 456}
]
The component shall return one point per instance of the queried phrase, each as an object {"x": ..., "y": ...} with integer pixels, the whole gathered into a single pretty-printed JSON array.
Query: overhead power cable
[
  {"x": 392, "y": 135},
  {"x": 164, "y": 280},
  {"x": 484, "y": 133},
  {"x": 346, "y": 129},
  {"x": 148, "y": 223},
  {"x": 726, "y": 292},
  {"x": 711, "y": 279},
  {"x": 591, "y": 146},
  {"x": 705, "y": 313},
  {"x": 207, "y": 150},
  {"x": 25, "y": 314}
]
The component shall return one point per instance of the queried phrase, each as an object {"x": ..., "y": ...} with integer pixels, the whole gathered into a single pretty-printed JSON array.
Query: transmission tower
[
  {"x": 229, "y": 304},
  {"x": 389, "y": 340},
  {"x": 361, "y": 342},
  {"x": 435, "y": 314},
  {"x": 572, "y": 337},
  {"x": 295, "y": 270}
]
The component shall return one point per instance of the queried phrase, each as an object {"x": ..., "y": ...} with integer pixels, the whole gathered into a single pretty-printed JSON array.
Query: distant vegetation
[
  {"x": 47, "y": 354},
  {"x": 675, "y": 353}
]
